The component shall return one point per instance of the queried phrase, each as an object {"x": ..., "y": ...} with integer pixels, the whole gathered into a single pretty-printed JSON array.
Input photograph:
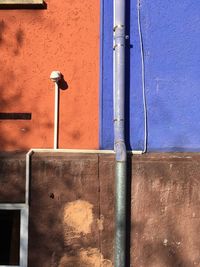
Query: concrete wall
[
  {"x": 65, "y": 37},
  {"x": 72, "y": 208}
]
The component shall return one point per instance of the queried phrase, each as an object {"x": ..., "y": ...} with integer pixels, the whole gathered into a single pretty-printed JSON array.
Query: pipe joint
[
  {"x": 120, "y": 150},
  {"x": 120, "y": 36},
  {"x": 118, "y": 26},
  {"x": 119, "y": 32}
]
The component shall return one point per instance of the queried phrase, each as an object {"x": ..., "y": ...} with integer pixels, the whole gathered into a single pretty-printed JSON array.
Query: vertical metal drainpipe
[{"x": 119, "y": 137}]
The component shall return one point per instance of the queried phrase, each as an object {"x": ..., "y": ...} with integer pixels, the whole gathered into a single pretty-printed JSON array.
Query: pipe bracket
[{"x": 120, "y": 150}]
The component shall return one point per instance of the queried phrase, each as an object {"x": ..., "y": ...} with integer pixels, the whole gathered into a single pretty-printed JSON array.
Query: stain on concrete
[
  {"x": 100, "y": 223},
  {"x": 90, "y": 257},
  {"x": 78, "y": 218}
]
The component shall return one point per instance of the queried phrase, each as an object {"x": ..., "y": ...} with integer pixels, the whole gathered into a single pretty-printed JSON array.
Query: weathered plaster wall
[
  {"x": 66, "y": 221},
  {"x": 64, "y": 37},
  {"x": 72, "y": 209},
  {"x": 12, "y": 177}
]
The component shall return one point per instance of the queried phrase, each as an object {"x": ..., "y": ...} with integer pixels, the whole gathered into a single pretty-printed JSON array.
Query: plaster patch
[
  {"x": 78, "y": 216},
  {"x": 90, "y": 257}
]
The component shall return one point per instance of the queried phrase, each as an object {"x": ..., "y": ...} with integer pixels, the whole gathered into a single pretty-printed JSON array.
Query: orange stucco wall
[{"x": 63, "y": 37}]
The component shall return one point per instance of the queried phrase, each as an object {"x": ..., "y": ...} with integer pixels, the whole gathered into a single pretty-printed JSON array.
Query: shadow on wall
[
  {"x": 12, "y": 178},
  {"x": 163, "y": 200},
  {"x": 68, "y": 232},
  {"x": 16, "y": 125},
  {"x": 165, "y": 216},
  {"x": 64, "y": 222},
  {"x": 72, "y": 210},
  {"x": 10, "y": 98}
]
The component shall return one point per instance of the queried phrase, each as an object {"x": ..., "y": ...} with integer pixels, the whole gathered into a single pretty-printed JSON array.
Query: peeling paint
[
  {"x": 90, "y": 257},
  {"x": 78, "y": 217}
]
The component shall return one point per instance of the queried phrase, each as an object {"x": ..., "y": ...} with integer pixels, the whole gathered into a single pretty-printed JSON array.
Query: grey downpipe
[{"x": 119, "y": 137}]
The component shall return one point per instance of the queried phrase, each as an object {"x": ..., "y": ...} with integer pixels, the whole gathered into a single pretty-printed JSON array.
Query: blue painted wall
[{"x": 171, "y": 35}]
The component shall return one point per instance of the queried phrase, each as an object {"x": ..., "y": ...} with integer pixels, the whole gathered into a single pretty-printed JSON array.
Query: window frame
[
  {"x": 21, "y": 2},
  {"x": 24, "y": 212}
]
